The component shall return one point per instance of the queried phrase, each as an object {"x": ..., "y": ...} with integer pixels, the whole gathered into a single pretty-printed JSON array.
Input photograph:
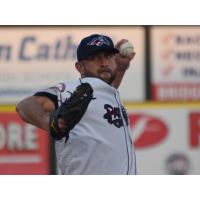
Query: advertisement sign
[
  {"x": 35, "y": 58},
  {"x": 175, "y": 63},
  {"x": 166, "y": 137},
  {"x": 24, "y": 149}
]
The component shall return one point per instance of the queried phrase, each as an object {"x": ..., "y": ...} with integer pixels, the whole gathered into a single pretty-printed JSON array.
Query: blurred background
[{"x": 161, "y": 91}]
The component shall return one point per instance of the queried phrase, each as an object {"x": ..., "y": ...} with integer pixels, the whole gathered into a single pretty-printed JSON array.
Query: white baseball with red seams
[{"x": 126, "y": 49}]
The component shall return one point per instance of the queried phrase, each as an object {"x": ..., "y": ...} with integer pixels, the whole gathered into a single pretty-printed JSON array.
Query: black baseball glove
[{"x": 71, "y": 111}]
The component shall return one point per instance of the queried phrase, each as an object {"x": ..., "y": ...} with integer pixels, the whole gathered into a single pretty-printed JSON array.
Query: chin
[{"x": 108, "y": 81}]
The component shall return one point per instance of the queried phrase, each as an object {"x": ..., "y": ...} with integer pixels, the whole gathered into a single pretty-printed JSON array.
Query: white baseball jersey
[{"x": 101, "y": 142}]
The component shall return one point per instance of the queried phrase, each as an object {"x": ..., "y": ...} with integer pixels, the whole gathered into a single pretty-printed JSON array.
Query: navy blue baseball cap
[{"x": 93, "y": 44}]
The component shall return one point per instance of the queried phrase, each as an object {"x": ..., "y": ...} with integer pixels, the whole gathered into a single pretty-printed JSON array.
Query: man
[{"x": 100, "y": 143}]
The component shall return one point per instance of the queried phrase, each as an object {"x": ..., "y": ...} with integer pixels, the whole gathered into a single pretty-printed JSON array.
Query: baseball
[{"x": 126, "y": 49}]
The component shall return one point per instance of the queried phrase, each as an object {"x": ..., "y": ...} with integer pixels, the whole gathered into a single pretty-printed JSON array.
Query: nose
[{"x": 104, "y": 62}]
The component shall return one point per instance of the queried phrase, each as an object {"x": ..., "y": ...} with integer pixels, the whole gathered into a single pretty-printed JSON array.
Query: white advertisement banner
[
  {"x": 175, "y": 62},
  {"x": 33, "y": 58},
  {"x": 166, "y": 138}
]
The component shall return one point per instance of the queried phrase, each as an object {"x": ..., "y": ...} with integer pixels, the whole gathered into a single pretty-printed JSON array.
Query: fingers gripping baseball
[{"x": 125, "y": 55}]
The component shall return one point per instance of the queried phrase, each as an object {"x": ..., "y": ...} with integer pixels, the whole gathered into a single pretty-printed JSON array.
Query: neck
[{"x": 91, "y": 76}]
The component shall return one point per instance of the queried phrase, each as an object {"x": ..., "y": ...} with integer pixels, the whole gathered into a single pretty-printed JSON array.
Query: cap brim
[{"x": 110, "y": 50}]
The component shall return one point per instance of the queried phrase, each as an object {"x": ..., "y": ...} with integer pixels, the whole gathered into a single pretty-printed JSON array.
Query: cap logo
[{"x": 99, "y": 41}]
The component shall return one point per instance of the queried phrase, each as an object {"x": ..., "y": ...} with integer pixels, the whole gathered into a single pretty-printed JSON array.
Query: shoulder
[
  {"x": 57, "y": 93},
  {"x": 61, "y": 87}
]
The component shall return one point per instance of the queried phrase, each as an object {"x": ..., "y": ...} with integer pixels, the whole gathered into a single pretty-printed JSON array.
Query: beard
[
  {"x": 110, "y": 75},
  {"x": 105, "y": 75}
]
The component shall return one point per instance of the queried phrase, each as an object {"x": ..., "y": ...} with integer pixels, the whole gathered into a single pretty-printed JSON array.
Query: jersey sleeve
[{"x": 53, "y": 93}]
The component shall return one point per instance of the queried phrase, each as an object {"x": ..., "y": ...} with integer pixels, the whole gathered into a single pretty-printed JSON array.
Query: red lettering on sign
[
  {"x": 24, "y": 149},
  {"x": 194, "y": 130}
]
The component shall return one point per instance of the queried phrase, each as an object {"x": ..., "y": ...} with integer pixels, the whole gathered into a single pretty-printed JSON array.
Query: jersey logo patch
[
  {"x": 60, "y": 87},
  {"x": 99, "y": 41},
  {"x": 113, "y": 115}
]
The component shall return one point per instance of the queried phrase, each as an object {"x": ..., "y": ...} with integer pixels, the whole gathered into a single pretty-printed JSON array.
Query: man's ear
[{"x": 79, "y": 67}]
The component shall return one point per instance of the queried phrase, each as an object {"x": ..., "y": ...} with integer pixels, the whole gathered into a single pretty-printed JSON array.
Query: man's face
[{"x": 101, "y": 65}]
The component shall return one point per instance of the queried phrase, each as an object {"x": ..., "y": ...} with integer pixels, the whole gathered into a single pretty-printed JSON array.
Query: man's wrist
[{"x": 122, "y": 68}]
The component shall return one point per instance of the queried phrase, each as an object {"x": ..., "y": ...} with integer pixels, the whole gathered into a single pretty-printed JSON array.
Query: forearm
[
  {"x": 32, "y": 112},
  {"x": 123, "y": 63},
  {"x": 119, "y": 76}
]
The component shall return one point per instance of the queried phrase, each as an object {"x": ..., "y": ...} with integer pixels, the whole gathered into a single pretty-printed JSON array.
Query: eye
[
  {"x": 91, "y": 58},
  {"x": 109, "y": 55}
]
